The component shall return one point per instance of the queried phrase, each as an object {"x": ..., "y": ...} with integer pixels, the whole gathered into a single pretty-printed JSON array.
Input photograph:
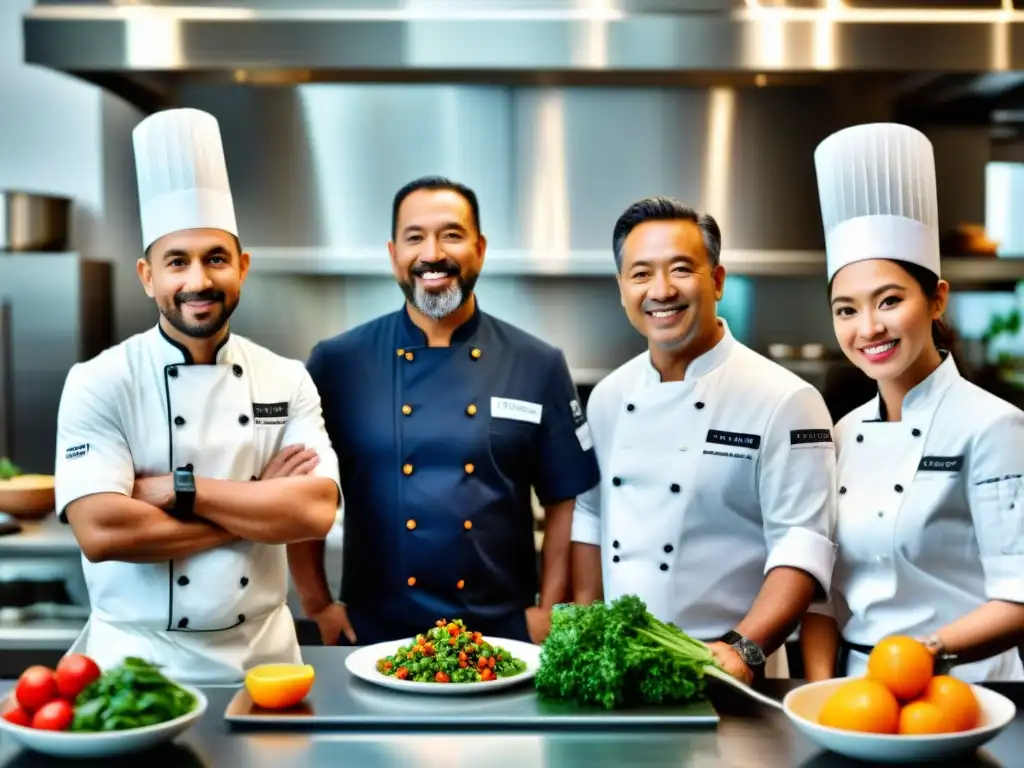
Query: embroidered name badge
[
  {"x": 738, "y": 439},
  {"x": 809, "y": 436},
  {"x": 578, "y": 417},
  {"x": 941, "y": 464},
  {"x": 270, "y": 413},
  {"x": 76, "y": 451},
  {"x": 517, "y": 410}
]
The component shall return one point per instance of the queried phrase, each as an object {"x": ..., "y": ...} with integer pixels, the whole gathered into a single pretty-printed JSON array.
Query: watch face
[{"x": 750, "y": 653}]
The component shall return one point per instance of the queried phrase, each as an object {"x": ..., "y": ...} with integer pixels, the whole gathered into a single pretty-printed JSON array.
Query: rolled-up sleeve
[
  {"x": 797, "y": 487},
  {"x": 306, "y": 427},
  {"x": 586, "y": 517},
  {"x": 93, "y": 455},
  {"x": 997, "y": 505}
]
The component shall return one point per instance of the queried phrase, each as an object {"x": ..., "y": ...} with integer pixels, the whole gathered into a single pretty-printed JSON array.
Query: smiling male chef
[
  {"x": 160, "y": 438},
  {"x": 716, "y": 501},
  {"x": 444, "y": 418}
]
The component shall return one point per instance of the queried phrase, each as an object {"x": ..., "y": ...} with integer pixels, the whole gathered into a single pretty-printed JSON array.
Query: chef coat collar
[
  {"x": 923, "y": 397},
  {"x": 703, "y": 364},
  {"x": 172, "y": 352},
  {"x": 411, "y": 336}
]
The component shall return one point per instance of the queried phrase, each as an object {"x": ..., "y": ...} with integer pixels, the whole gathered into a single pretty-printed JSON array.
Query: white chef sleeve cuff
[
  {"x": 806, "y": 551},
  {"x": 1004, "y": 577},
  {"x": 824, "y": 608},
  {"x": 586, "y": 526}
]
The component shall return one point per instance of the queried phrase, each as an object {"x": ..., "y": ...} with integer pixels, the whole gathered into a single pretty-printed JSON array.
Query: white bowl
[
  {"x": 102, "y": 744},
  {"x": 802, "y": 705}
]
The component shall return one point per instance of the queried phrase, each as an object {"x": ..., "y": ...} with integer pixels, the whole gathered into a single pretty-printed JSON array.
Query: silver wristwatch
[{"x": 748, "y": 650}]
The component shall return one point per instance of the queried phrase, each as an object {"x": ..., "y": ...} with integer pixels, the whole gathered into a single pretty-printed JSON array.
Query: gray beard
[{"x": 438, "y": 304}]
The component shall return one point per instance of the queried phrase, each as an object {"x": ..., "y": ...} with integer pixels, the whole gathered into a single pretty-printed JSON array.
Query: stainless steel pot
[{"x": 32, "y": 222}]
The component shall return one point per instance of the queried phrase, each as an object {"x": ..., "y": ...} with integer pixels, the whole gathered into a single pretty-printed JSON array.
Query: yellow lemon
[{"x": 279, "y": 686}]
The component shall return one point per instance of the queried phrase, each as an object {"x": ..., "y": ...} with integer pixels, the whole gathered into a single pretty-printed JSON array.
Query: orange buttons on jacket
[
  {"x": 471, "y": 409},
  {"x": 411, "y": 581},
  {"x": 401, "y": 352},
  {"x": 410, "y": 524},
  {"x": 408, "y": 355},
  {"x": 475, "y": 354},
  {"x": 468, "y": 524},
  {"x": 407, "y": 409},
  {"x": 461, "y": 584},
  {"x": 407, "y": 469},
  {"x": 470, "y": 469}
]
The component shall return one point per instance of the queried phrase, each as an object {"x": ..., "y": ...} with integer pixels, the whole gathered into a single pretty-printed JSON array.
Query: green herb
[
  {"x": 450, "y": 653},
  {"x": 132, "y": 695},
  {"x": 7, "y": 469},
  {"x": 620, "y": 656}
]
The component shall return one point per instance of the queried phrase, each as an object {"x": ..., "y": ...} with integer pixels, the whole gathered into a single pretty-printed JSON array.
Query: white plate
[
  {"x": 104, "y": 744},
  {"x": 363, "y": 664},
  {"x": 803, "y": 705}
]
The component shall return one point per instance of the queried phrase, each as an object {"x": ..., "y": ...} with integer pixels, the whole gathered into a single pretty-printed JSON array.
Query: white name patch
[
  {"x": 583, "y": 435},
  {"x": 519, "y": 410}
]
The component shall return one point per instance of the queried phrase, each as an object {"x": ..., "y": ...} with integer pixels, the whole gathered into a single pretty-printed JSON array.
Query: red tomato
[
  {"x": 36, "y": 687},
  {"x": 55, "y": 716},
  {"x": 74, "y": 674},
  {"x": 18, "y": 716}
]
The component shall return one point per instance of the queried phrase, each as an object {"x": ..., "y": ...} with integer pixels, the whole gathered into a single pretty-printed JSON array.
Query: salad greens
[
  {"x": 450, "y": 653},
  {"x": 619, "y": 656},
  {"x": 8, "y": 469},
  {"x": 132, "y": 695}
]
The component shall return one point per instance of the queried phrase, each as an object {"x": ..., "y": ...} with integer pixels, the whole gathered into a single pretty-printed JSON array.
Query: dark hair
[
  {"x": 238, "y": 247},
  {"x": 942, "y": 334},
  {"x": 434, "y": 183},
  {"x": 665, "y": 209}
]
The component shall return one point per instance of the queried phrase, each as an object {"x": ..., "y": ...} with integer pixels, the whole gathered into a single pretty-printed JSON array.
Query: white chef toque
[
  {"x": 876, "y": 184},
  {"x": 182, "y": 174}
]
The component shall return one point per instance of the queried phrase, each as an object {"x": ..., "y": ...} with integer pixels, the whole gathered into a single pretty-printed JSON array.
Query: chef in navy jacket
[{"x": 444, "y": 418}]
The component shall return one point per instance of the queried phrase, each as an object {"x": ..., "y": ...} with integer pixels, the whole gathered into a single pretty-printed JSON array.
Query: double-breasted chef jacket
[
  {"x": 707, "y": 484},
  {"x": 438, "y": 449},
  {"x": 142, "y": 408},
  {"x": 930, "y": 517}
]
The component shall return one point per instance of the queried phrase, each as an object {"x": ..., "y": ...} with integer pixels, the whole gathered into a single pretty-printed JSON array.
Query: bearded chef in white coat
[
  {"x": 930, "y": 514},
  {"x": 716, "y": 502},
  {"x": 162, "y": 439}
]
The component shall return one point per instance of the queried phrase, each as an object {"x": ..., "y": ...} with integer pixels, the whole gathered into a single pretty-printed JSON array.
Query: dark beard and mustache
[
  {"x": 438, "y": 304},
  {"x": 205, "y": 329}
]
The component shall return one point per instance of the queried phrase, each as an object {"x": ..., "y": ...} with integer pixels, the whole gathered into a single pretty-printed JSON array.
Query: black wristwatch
[
  {"x": 184, "y": 493},
  {"x": 748, "y": 650}
]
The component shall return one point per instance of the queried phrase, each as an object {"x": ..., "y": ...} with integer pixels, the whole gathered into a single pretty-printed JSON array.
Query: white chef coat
[
  {"x": 930, "y": 523},
  {"x": 142, "y": 409},
  {"x": 707, "y": 484}
]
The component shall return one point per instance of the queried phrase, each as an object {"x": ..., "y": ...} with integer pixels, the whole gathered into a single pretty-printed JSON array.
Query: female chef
[{"x": 930, "y": 529}]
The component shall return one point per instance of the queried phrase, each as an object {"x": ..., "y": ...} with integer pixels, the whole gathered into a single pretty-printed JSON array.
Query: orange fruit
[
  {"x": 956, "y": 699},
  {"x": 903, "y": 664},
  {"x": 279, "y": 686},
  {"x": 920, "y": 717},
  {"x": 861, "y": 704}
]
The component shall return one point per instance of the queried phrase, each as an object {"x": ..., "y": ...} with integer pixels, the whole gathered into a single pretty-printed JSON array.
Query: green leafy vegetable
[
  {"x": 132, "y": 695},
  {"x": 620, "y": 656},
  {"x": 8, "y": 469}
]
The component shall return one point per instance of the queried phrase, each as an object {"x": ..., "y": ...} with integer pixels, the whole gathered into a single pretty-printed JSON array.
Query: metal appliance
[{"x": 33, "y": 222}]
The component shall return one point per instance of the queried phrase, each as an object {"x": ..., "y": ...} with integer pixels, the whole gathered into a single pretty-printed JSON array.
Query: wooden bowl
[{"x": 27, "y": 496}]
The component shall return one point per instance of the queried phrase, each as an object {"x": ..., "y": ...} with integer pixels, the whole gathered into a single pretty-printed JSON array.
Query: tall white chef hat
[
  {"x": 876, "y": 184},
  {"x": 182, "y": 174}
]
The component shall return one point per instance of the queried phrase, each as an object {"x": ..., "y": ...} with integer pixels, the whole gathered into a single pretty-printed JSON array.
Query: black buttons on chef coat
[
  {"x": 244, "y": 581},
  {"x": 182, "y": 623},
  {"x": 698, "y": 405},
  {"x": 615, "y": 558},
  {"x": 668, "y": 548},
  {"x": 860, "y": 438},
  {"x": 674, "y": 487},
  {"x": 615, "y": 544},
  {"x": 172, "y": 372},
  {"x": 616, "y": 481},
  {"x": 237, "y": 369},
  {"x": 664, "y": 566},
  {"x": 178, "y": 420},
  {"x": 183, "y": 581},
  {"x": 630, "y": 407},
  {"x": 915, "y": 432},
  {"x": 241, "y": 618},
  {"x": 842, "y": 489},
  {"x": 243, "y": 419},
  {"x": 899, "y": 488}
]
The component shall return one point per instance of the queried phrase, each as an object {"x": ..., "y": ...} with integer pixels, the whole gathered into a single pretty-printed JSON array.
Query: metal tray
[{"x": 356, "y": 704}]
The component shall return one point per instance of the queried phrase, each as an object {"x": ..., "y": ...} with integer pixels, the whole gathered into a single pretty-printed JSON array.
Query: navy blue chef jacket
[{"x": 438, "y": 449}]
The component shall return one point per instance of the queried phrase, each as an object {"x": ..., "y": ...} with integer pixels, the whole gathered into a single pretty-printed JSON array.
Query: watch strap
[{"x": 184, "y": 493}]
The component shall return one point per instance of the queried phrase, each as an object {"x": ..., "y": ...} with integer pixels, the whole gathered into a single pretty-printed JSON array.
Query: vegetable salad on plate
[{"x": 450, "y": 653}]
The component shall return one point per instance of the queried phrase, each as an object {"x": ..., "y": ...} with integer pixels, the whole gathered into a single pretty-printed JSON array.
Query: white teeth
[
  {"x": 880, "y": 348},
  {"x": 433, "y": 275},
  {"x": 664, "y": 313}
]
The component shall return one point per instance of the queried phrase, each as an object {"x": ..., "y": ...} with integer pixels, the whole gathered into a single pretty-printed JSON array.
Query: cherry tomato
[
  {"x": 441, "y": 677},
  {"x": 36, "y": 686},
  {"x": 55, "y": 716},
  {"x": 401, "y": 673},
  {"x": 74, "y": 674},
  {"x": 19, "y": 716}
]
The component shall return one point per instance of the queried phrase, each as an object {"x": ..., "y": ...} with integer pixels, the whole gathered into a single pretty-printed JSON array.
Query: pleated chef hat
[
  {"x": 876, "y": 184},
  {"x": 182, "y": 174}
]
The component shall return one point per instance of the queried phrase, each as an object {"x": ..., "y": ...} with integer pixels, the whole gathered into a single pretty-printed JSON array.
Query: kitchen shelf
[{"x": 963, "y": 272}]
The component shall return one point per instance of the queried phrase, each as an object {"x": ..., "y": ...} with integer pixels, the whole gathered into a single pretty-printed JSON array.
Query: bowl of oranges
[{"x": 900, "y": 711}]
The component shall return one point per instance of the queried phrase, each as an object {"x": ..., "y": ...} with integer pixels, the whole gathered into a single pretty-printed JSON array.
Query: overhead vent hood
[{"x": 145, "y": 50}]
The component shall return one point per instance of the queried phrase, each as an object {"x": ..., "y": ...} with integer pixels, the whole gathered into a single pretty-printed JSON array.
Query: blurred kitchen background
[{"x": 558, "y": 113}]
